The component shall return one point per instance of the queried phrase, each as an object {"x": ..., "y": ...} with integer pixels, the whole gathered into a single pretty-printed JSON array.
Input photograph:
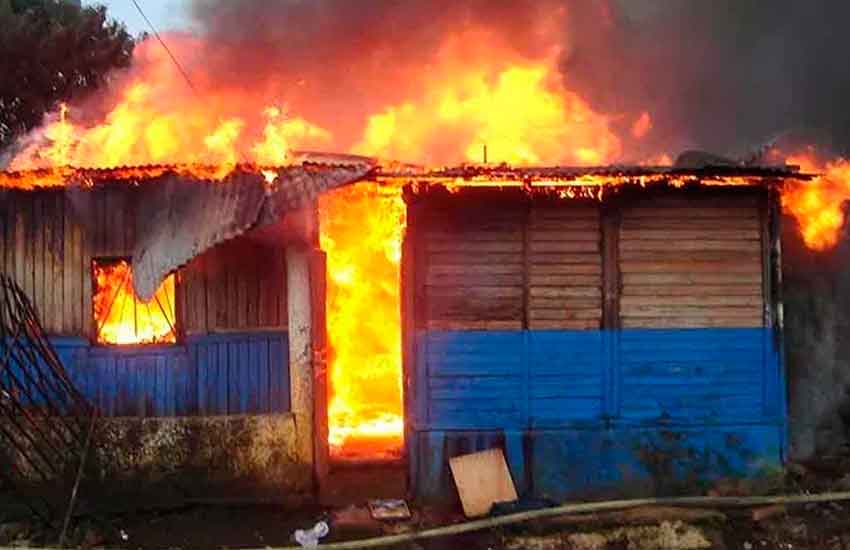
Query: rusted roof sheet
[
  {"x": 566, "y": 173},
  {"x": 148, "y": 174},
  {"x": 179, "y": 219}
]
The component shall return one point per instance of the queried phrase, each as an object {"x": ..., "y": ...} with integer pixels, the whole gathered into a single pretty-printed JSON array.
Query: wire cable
[{"x": 164, "y": 45}]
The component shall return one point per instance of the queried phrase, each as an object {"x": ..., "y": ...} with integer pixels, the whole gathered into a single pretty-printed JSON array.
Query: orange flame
[
  {"x": 817, "y": 205},
  {"x": 361, "y": 230},
  {"x": 155, "y": 120},
  {"x": 518, "y": 108},
  {"x": 122, "y": 318}
]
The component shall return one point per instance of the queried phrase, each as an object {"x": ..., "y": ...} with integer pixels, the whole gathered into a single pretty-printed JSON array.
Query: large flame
[
  {"x": 157, "y": 119},
  {"x": 477, "y": 94},
  {"x": 361, "y": 230},
  {"x": 122, "y": 318},
  {"x": 818, "y": 205},
  {"x": 476, "y": 97}
]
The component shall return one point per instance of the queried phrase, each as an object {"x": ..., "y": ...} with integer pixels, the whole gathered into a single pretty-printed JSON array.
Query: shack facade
[
  {"x": 613, "y": 336},
  {"x": 631, "y": 344},
  {"x": 228, "y": 396}
]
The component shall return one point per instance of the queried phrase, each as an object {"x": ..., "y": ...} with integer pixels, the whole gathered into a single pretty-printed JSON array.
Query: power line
[{"x": 164, "y": 45}]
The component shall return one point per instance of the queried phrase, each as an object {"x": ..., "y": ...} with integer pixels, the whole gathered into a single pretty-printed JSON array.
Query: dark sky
[{"x": 722, "y": 74}]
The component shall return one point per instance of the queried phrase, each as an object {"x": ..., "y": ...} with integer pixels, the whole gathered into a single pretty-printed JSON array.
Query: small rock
[
  {"x": 765, "y": 512},
  {"x": 748, "y": 545}
]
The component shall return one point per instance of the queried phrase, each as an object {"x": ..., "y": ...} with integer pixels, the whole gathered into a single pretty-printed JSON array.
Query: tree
[{"x": 53, "y": 51}]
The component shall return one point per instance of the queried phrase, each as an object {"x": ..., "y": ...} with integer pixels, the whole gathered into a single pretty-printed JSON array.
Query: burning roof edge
[
  {"x": 61, "y": 176},
  {"x": 565, "y": 173},
  {"x": 583, "y": 175}
]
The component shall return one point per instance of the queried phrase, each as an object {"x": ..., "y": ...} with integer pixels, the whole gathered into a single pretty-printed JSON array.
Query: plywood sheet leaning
[{"x": 482, "y": 480}]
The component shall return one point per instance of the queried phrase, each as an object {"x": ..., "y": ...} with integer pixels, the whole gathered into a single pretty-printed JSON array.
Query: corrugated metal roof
[
  {"x": 143, "y": 174},
  {"x": 565, "y": 173},
  {"x": 182, "y": 219}
]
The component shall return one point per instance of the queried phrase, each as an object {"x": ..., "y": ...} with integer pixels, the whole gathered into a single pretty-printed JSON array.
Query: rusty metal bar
[{"x": 45, "y": 422}]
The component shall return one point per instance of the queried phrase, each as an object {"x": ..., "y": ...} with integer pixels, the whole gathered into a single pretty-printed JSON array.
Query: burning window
[{"x": 120, "y": 317}]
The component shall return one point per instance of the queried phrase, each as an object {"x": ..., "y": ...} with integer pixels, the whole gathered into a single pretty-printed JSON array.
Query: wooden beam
[
  {"x": 766, "y": 254},
  {"x": 408, "y": 282},
  {"x": 319, "y": 334},
  {"x": 301, "y": 348},
  {"x": 526, "y": 264},
  {"x": 610, "y": 230}
]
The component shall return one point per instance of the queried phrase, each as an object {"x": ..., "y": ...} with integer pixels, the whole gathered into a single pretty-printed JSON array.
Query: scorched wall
[{"x": 231, "y": 358}]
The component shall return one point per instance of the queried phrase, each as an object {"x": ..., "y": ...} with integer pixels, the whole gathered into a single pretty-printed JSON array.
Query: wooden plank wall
[
  {"x": 217, "y": 374},
  {"x": 681, "y": 262},
  {"x": 694, "y": 262},
  {"x": 565, "y": 267},
  {"x": 511, "y": 266},
  {"x": 238, "y": 285},
  {"x": 474, "y": 267},
  {"x": 48, "y": 241},
  {"x": 48, "y": 238}
]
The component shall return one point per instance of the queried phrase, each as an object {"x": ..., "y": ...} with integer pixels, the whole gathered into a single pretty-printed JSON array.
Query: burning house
[
  {"x": 610, "y": 328},
  {"x": 239, "y": 310}
]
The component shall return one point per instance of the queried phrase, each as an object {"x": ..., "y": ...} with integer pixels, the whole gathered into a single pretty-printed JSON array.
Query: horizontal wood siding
[
  {"x": 49, "y": 237},
  {"x": 499, "y": 379},
  {"x": 473, "y": 267},
  {"x": 691, "y": 262},
  {"x": 241, "y": 373},
  {"x": 699, "y": 376},
  {"x": 582, "y": 410},
  {"x": 474, "y": 379},
  {"x": 565, "y": 267},
  {"x": 566, "y": 376}
]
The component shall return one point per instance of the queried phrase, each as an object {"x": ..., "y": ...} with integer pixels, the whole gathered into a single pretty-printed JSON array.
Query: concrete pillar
[{"x": 300, "y": 347}]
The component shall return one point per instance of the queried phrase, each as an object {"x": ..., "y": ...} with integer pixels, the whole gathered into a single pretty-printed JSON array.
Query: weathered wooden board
[
  {"x": 471, "y": 267},
  {"x": 482, "y": 480},
  {"x": 694, "y": 264},
  {"x": 564, "y": 267},
  {"x": 48, "y": 240}
]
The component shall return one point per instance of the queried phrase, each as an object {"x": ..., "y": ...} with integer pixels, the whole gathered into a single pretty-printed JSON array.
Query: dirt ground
[
  {"x": 170, "y": 524},
  {"x": 823, "y": 526}
]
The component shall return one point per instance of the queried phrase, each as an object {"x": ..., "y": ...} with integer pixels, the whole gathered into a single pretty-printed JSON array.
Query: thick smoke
[
  {"x": 335, "y": 61},
  {"x": 723, "y": 75}
]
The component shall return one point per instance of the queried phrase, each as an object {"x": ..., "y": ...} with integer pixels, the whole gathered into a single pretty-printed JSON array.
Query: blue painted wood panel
[
  {"x": 693, "y": 375},
  {"x": 219, "y": 374},
  {"x": 472, "y": 380},
  {"x": 567, "y": 376},
  {"x": 591, "y": 410}
]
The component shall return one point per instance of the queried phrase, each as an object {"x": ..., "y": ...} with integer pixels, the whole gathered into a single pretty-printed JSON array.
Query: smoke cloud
[{"x": 724, "y": 75}]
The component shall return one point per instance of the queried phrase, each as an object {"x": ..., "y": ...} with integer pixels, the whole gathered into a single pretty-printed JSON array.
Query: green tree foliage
[{"x": 53, "y": 51}]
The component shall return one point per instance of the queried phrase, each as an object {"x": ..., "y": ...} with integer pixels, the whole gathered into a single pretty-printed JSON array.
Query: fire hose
[{"x": 487, "y": 523}]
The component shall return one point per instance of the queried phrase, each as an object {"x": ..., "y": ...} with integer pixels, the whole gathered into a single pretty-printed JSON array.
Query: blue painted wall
[
  {"x": 580, "y": 412},
  {"x": 234, "y": 373}
]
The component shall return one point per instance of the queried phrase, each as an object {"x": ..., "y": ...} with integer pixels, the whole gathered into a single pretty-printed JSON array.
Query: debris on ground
[
  {"x": 766, "y": 512},
  {"x": 667, "y": 535},
  {"x": 309, "y": 538},
  {"x": 389, "y": 509},
  {"x": 356, "y": 519}
]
